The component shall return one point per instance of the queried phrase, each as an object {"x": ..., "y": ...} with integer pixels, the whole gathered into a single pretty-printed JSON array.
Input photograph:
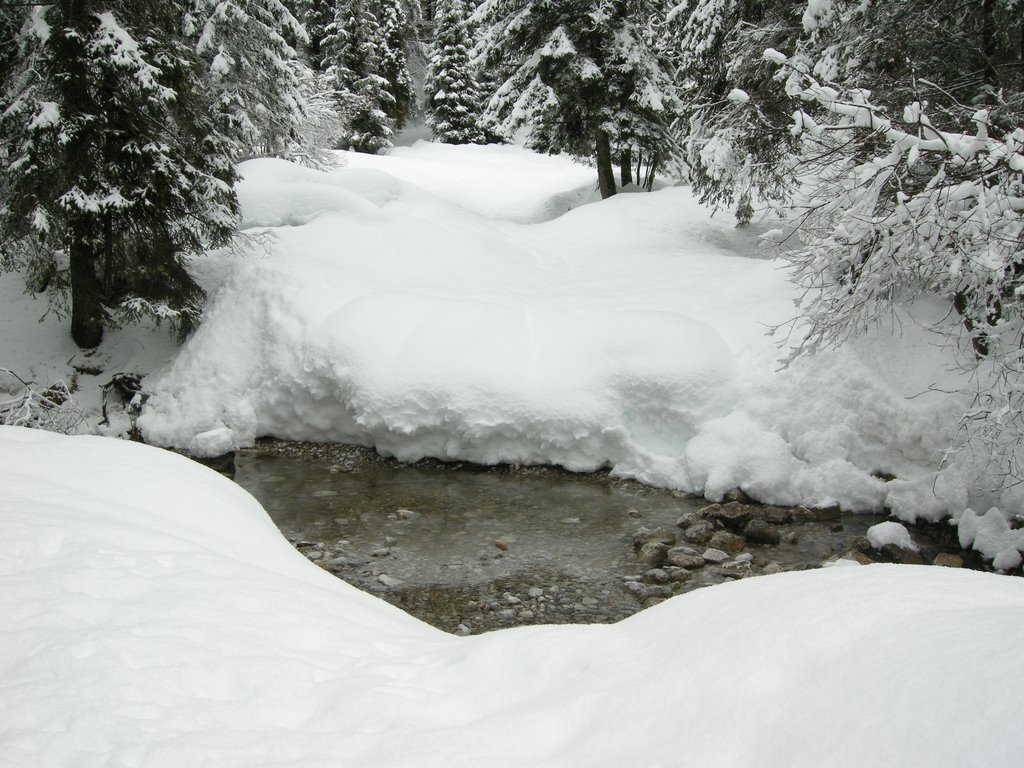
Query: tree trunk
[
  {"x": 86, "y": 295},
  {"x": 605, "y": 171},
  {"x": 979, "y": 341},
  {"x": 988, "y": 41},
  {"x": 626, "y": 165},
  {"x": 652, "y": 168}
]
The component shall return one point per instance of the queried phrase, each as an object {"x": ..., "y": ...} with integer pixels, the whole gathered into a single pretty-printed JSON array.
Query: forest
[{"x": 578, "y": 382}]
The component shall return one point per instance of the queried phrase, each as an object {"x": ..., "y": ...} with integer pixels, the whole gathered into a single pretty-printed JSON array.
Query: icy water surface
[{"x": 468, "y": 548}]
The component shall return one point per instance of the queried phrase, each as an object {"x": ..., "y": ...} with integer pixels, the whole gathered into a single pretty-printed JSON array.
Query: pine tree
[
  {"x": 577, "y": 75},
  {"x": 453, "y": 99},
  {"x": 738, "y": 144},
  {"x": 351, "y": 52},
  {"x": 253, "y": 73},
  {"x": 113, "y": 173},
  {"x": 12, "y": 17},
  {"x": 315, "y": 16},
  {"x": 396, "y": 30}
]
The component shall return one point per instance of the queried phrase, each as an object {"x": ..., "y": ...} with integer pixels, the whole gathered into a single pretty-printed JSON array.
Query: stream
[{"x": 469, "y": 549}]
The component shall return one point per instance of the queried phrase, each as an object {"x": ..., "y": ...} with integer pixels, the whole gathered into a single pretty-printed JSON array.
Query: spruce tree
[
  {"x": 453, "y": 99},
  {"x": 395, "y": 30},
  {"x": 253, "y": 73},
  {"x": 316, "y": 16},
  {"x": 352, "y": 55},
  {"x": 577, "y": 74},
  {"x": 113, "y": 173},
  {"x": 12, "y": 17},
  {"x": 738, "y": 144}
]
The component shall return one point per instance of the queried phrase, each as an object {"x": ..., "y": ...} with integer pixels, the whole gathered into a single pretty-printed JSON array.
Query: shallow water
[{"x": 487, "y": 547}]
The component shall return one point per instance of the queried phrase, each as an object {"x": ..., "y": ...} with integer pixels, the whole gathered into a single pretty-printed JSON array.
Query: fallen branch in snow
[{"x": 53, "y": 409}]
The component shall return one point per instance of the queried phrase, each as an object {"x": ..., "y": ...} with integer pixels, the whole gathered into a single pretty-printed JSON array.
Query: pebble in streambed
[{"x": 472, "y": 549}]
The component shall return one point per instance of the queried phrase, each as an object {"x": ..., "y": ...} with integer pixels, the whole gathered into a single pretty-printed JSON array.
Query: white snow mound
[
  {"x": 394, "y": 303},
  {"x": 152, "y": 616},
  {"x": 890, "y": 532}
]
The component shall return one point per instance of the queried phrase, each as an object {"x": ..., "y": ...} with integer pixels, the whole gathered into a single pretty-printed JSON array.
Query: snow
[
  {"x": 478, "y": 303},
  {"x": 151, "y": 615},
  {"x": 890, "y": 532},
  {"x": 738, "y": 95},
  {"x": 991, "y": 534}
]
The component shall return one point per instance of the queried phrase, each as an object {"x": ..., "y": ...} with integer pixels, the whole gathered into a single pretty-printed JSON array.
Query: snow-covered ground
[
  {"x": 478, "y": 303},
  {"x": 152, "y": 616}
]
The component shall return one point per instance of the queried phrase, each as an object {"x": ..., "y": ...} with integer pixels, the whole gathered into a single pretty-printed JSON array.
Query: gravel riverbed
[{"x": 470, "y": 549}]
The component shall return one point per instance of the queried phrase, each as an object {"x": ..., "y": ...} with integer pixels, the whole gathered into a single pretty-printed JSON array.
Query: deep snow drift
[
  {"x": 402, "y": 302},
  {"x": 151, "y": 615},
  {"x": 476, "y": 303}
]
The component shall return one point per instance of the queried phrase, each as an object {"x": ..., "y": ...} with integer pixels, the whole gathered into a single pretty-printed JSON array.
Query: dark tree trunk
[
  {"x": 86, "y": 295},
  {"x": 988, "y": 41},
  {"x": 605, "y": 171},
  {"x": 626, "y": 165},
  {"x": 979, "y": 339},
  {"x": 86, "y": 288},
  {"x": 652, "y": 169}
]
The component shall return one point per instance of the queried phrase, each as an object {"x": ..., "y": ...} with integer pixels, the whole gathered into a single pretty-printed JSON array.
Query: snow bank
[
  {"x": 152, "y": 616},
  {"x": 392, "y": 303}
]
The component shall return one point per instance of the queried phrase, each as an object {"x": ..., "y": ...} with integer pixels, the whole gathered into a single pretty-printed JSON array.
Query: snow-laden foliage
[
  {"x": 738, "y": 147},
  {"x": 253, "y": 72},
  {"x": 903, "y": 209},
  {"x": 113, "y": 170},
  {"x": 952, "y": 55},
  {"x": 578, "y": 76},
  {"x": 23, "y": 404},
  {"x": 321, "y": 126},
  {"x": 352, "y": 51},
  {"x": 453, "y": 101},
  {"x": 396, "y": 30},
  {"x": 315, "y": 16}
]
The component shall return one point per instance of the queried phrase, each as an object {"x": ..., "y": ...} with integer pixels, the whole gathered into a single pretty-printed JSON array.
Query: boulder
[
  {"x": 736, "y": 494},
  {"x": 761, "y": 532},
  {"x": 727, "y": 542},
  {"x": 712, "y": 555},
  {"x": 777, "y": 515},
  {"x": 687, "y": 519},
  {"x": 699, "y": 533},
  {"x": 684, "y": 557},
  {"x": 732, "y": 515},
  {"x": 652, "y": 553},
  {"x": 663, "y": 535},
  {"x": 656, "y": 576},
  {"x": 679, "y": 575}
]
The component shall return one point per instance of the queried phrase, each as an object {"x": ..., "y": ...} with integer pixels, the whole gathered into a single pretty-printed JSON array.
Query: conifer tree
[
  {"x": 254, "y": 74},
  {"x": 113, "y": 173},
  {"x": 352, "y": 56},
  {"x": 453, "y": 98},
  {"x": 315, "y": 16},
  {"x": 396, "y": 29},
  {"x": 12, "y": 17},
  {"x": 577, "y": 74},
  {"x": 738, "y": 143}
]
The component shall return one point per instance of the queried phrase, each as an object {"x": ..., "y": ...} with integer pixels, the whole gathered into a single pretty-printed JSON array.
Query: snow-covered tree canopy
[
  {"x": 352, "y": 54},
  {"x": 396, "y": 30},
  {"x": 577, "y": 75},
  {"x": 113, "y": 171},
  {"x": 253, "y": 71},
  {"x": 453, "y": 97}
]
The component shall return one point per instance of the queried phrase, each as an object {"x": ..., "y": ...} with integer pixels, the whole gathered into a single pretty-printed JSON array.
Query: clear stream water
[{"x": 470, "y": 548}]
